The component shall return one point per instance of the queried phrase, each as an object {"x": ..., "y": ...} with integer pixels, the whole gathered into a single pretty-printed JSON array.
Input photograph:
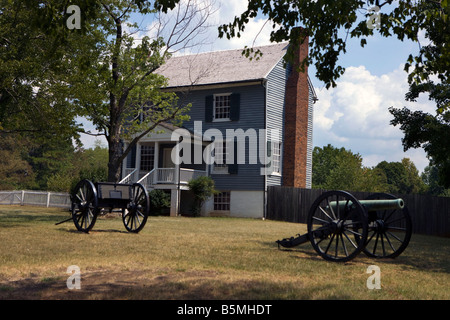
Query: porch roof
[{"x": 168, "y": 128}]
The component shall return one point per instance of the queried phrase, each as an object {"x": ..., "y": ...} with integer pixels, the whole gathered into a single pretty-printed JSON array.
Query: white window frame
[
  {"x": 220, "y": 168},
  {"x": 276, "y": 153},
  {"x": 222, "y": 201},
  {"x": 147, "y": 158},
  {"x": 216, "y": 101}
]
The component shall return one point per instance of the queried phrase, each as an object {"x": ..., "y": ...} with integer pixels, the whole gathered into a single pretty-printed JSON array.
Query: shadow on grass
[
  {"x": 191, "y": 285},
  {"x": 423, "y": 253},
  {"x": 19, "y": 220}
]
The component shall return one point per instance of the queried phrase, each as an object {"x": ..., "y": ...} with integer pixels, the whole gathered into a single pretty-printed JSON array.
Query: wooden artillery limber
[
  {"x": 89, "y": 200},
  {"x": 340, "y": 226}
]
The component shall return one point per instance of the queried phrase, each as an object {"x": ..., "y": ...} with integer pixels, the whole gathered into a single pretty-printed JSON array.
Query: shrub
[
  {"x": 159, "y": 200},
  {"x": 202, "y": 188}
]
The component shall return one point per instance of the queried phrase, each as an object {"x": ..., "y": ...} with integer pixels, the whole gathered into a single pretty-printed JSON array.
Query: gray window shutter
[
  {"x": 209, "y": 108},
  {"x": 235, "y": 101},
  {"x": 131, "y": 158}
]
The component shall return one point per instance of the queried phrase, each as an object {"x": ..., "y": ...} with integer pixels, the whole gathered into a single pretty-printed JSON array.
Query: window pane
[
  {"x": 147, "y": 158},
  {"x": 222, "y": 107},
  {"x": 276, "y": 157},
  {"x": 222, "y": 201}
]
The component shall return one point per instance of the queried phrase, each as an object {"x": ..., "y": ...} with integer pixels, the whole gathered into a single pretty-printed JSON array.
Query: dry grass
[{"x": 198, "y": 258}]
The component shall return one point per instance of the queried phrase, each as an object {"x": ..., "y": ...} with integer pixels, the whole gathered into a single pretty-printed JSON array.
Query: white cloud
[{"x": 355, "y": 115}]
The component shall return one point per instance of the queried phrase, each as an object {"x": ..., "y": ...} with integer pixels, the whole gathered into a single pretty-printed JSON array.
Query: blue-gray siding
[{"x": 252, "y": 112}]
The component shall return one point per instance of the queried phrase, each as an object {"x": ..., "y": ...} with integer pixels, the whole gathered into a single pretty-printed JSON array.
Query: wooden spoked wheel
[
  {"x": 135, "y": 215},
  {"x": 84, "y": 206},
  {"x": 389, "y": 230},
  {"x": 337, "y": 226}
]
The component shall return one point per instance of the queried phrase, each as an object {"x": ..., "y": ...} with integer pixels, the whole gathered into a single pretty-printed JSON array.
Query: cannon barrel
[{"x": 372, "y": 205}]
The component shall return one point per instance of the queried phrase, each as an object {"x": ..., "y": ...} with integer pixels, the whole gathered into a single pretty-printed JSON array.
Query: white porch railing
[
  {"x": 147, "y": 180},
  {"x": 130, "y": 177},
  {"x": 169, "y": 176},
  {"x": 165, "y": 175}
]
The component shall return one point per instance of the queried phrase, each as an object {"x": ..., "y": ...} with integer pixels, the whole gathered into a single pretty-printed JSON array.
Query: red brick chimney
[{"x": 296, "y": 118}]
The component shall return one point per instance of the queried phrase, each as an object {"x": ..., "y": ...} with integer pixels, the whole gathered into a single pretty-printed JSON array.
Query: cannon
[
  {"x": 340, "y": 226},
  {"x": 88, "y": 200}
]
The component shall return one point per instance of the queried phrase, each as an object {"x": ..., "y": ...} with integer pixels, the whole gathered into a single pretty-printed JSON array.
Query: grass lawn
[{"x": 198, "y": 258}]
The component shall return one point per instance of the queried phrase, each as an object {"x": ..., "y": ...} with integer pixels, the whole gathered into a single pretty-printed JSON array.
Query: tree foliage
[
  {"x": 330, "y": 24},
  {"x": 432, "y": 133},
  {"x": 203, "y": 188},
  {"x": 338, "y": 168},
  {"x": 430, "y": 177},
  {"x": 49, "y": 74}
]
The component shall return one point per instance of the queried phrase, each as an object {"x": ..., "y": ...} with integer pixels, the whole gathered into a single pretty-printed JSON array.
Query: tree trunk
[{"x": 114, "y": 163}]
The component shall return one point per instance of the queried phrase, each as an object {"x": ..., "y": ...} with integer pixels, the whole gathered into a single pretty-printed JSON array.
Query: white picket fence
[{"x": 35, "y": 198}]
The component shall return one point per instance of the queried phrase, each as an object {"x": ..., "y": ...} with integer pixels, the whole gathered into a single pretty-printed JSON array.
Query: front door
[{"x": 167, "y": 158}]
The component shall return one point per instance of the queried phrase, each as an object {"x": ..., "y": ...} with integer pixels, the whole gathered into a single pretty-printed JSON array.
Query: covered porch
[{"x": 150, "y": 164}]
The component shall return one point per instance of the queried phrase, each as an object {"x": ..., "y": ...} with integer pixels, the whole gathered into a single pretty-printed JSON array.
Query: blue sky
[{"x": 354, "y": 115}]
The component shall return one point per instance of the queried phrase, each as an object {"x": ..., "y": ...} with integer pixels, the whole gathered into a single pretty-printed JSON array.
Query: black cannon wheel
[
  {"x": 389, "y": 230},
  {"x": 136, "y": 214},
  {"x": 337, "y": 233},
  {"x": 84, "y": 205}
]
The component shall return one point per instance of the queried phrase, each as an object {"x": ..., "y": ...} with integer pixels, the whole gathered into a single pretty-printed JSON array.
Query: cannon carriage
[
  {"x": 90, "y": 200},
  {"x": 340, "y": 226}
]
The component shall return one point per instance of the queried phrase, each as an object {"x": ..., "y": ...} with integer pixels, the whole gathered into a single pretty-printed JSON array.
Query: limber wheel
[
  {"x": 389, "y": 230},
  {"x": 136, "y": 214},
  {"x": 84, "y": 206},
  {"x": 337, "y": 226}
]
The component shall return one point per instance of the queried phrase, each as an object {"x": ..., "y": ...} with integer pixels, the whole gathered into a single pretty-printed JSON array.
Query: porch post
[
  {"x": 156, "y": 162},
  {"x": 156, "y": 159},
  {"x": 138, "y": 159},
  {"x": 174, "y": 205}
]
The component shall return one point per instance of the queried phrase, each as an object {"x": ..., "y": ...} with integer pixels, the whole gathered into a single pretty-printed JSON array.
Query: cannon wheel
[
  {"x": 389, "y": 230},
  {"x": 84, "y": 206},
  {"x": 337, "y": 234},
  {"x": 136, "y": 214}
]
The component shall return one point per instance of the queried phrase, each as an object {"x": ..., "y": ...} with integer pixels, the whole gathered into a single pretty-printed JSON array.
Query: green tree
[
  {"x": 338, "y": 168},
  {"x": 53, "y": 74},
  {"x": 430, "y": 177},
  {"x": 15, "y": 172},
  {"x": 34, "y": 42},
  {"x": 91, "y": 164},
  {"x": 50, "y": 157},
  {"x": 432, "y": 133},
  {"x": 402, "y": 177},
  {"x": 331, "y": 23},
  {"x": 396, "y": 176},
  {"x": 203, "y": 188},
  {"x": 118, "y": 89},
  {"x": 414, "y": 181}
]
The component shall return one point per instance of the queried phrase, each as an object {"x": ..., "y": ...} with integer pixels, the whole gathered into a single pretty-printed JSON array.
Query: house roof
[{"x": 221, "y": 66}]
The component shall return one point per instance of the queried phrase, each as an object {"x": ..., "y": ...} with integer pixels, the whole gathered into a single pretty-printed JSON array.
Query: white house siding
[
  {"x": 243, "y": 204},
  {"x": 276, "y": 86},
  {"x": 310, "y": 146}
]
